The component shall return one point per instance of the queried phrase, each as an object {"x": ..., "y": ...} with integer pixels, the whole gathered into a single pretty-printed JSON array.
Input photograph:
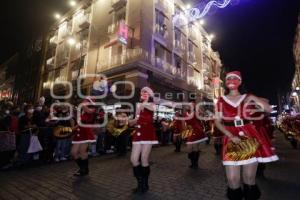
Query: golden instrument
[
  {"x": 62, "y": 131},
  {"x": 187, "y": 132},
  {"x": 244, "y": 150}
]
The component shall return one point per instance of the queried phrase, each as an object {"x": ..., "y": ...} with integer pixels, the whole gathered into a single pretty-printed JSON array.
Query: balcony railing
[
  {"x": 50, "y": 63},
  {"x": 161, "y": 31},
  {"x": 130, "y": 55},
  {"x": 113, "y": 28},
  {"x": 84, "y": 21},
  {"x": 179, "y": 46},
  {"x": 54, "y": 40}
]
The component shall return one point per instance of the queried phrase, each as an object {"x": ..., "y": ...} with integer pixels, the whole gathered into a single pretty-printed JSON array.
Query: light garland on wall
[{"x": 195, "y": 13}]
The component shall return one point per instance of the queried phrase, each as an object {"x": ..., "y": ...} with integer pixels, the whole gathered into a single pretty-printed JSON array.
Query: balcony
[
  {"x": 161, "y": 32},
  {"x": 84, "y": 21},
  {"x": 162, "y": 5},
  {"x": 53, "y": 40},
  {"x": 50, "y": 63},
  {"x": 118, "y": 4},
  {"x": 179, "y": 47},
  {"x": 130, "y": 55},
  {"x": 113, "y": 28}
]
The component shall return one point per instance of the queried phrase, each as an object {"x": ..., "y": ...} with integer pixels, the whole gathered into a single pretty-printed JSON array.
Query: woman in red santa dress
[
  {"x": 243, "y": 146},
  {"x": 142, "y": 139},
  {"x": 83, "y": 135},
  {"x": 197, "y": 135}
]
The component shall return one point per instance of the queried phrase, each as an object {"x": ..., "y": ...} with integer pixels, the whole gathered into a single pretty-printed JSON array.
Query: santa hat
[
  {"x": 236, "y": 74},
  {"x": 148, "y": 90}
]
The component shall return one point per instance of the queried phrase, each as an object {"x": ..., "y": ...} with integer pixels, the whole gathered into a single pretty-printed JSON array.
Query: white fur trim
[
  {"x": 145, "y": 142},
  {"x": 83, "y": 141},
  {"x": 252, "y": 160},
  {"x": 232, "y": 103},
  {"x": 242, "y": 162},
  {"x": 234, "y": 75},
  {"x": 268, "y": 159},
  {"x": 198, "y": 141}
]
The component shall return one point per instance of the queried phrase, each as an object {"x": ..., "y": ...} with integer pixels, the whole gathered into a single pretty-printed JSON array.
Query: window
[
  {"x": 159, "y": 51},
  {"x": 160, "y": 23},
  {"x": 179, "y": 38},
  {"x": 177, "y": 61}
]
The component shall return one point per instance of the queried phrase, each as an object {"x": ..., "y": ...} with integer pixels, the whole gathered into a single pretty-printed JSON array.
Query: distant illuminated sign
[{"x": 123, "y": 33}]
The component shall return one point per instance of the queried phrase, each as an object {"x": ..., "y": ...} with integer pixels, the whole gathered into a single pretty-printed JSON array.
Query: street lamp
[
  {"x": 57, "y": 16},
  {"x": 211, "y": 36},
  {"x": 188, "y": 6},
  {"x": 71, "y": 41},
  {"x": 72, "y": 3},
  {"x": 202, "y": 22},
  {"x": 297, "y": 88},
  {"x": 294, "y": 94}
]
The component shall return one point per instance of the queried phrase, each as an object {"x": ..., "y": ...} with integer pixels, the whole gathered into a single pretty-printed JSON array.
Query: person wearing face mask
[
  {"x": 143, "y": 138},
  {"x": 243, "y": 145}
]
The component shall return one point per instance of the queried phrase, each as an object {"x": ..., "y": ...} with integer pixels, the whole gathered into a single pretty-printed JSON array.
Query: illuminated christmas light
[{"x": 195, "y": 13}]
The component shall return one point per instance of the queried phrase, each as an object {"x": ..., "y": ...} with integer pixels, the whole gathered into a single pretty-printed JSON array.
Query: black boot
[
  {"x": 79, "y": 163},
  {"x": 146, "y": 173},
  {"x": 218, "y": 148},
  {"x": 196, "y": 159},
  {"x": 85, "y": 167},
  {"x": 178, "y": 145},
  {"x": 191, "y": 157},
  {"x": 234, "y": 194},
  {"x": 137, "y": 172},
  {"x": 251, "y": 192}
]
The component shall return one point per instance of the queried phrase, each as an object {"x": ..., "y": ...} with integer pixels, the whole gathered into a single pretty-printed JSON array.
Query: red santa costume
[
  {"x": 264, "y": 127},
  {"x": 234, "y": 117},
  {"x": 144, "y": 130},
  {"x": 198, "y": 134},
  {"x": 85, "y": 134}
]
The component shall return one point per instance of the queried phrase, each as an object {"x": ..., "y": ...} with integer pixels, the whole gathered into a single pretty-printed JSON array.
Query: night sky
[{"x": 255, "y": 36}]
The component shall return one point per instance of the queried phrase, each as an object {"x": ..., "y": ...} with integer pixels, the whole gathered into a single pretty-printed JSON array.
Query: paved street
[{"x": 111, "y": 178}]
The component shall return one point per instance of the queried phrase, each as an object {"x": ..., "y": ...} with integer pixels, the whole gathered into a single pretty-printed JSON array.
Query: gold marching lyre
[{"x": 244, "y": 150}]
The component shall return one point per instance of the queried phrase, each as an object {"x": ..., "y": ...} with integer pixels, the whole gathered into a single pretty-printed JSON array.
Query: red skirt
[
  {"x": 264, "y": 153},
  {"x": 83, "y": 135},
  {"x": 196, "y": 137},
  {"x": 266, "y": 135},
  {"x": 144, "y": 138}
]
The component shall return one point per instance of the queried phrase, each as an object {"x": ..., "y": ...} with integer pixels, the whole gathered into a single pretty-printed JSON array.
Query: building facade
[
  {"x": 296, "y": 81},
  {"x": 132, "y": 40}
]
